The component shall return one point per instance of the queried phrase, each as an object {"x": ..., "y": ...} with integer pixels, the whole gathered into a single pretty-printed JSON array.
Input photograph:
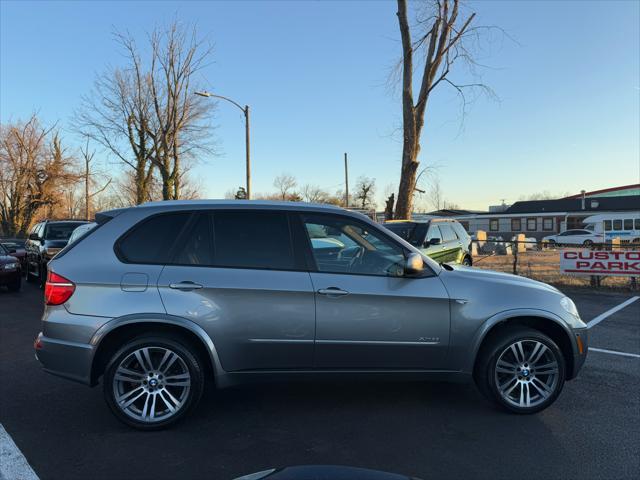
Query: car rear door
[
  {"x": 368, "y": 315},
  {"x": 237, "y": 275},
  {"x": 453, "y": 245}
]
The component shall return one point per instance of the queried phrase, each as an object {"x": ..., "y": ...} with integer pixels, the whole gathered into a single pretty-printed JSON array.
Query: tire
[
  {"x": 15, "y": 286},
  {"x": 550, "y": 244},
  {"x": 587, "y": 243},
  {"x": 182, "y": 395},
  {"x": 466, "y": 261},
  {"x": 506, "y": 382}
]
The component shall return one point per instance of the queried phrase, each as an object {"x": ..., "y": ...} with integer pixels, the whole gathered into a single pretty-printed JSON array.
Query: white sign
[{"x": 589, "y": 262}]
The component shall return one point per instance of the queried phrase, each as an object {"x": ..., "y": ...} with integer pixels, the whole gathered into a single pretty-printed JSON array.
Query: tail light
[{"x": 58, "y": 289}]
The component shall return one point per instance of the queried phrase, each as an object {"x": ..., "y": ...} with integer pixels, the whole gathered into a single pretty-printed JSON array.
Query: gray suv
[{"x": 160, "y": 297}]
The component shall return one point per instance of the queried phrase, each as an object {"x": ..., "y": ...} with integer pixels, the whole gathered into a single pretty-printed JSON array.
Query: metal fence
[{"x": 535, "y": 260}]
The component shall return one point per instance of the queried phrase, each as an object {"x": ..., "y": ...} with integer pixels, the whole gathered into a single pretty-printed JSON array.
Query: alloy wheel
[
  {"x": 526, "y": 373},
  {"x": 151, "y": 384}
]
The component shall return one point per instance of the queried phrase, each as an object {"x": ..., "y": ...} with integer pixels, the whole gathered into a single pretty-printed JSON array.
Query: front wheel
[
  {"x": 152, "y": 382},
  {"x": 466, "y": 261},
  {"x": 588, "y": 243},
  {"x": 522, "y": 370}
]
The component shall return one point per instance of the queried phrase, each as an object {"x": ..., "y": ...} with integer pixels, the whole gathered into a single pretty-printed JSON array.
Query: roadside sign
[{"x": 589, "y": 262}]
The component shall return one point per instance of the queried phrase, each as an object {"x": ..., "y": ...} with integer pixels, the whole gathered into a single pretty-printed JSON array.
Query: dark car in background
[
  {"x": 45, "y": 240},
  {"x": 10, "y": 272},
  {"x": 443, "y": 239},
  {"x": 16, "y": 248}
]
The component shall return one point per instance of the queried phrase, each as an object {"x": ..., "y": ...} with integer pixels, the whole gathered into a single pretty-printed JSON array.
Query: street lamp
[{"x": 245, "y": 110}]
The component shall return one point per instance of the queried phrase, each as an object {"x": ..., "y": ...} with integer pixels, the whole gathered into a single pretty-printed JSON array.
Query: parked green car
[{"x": 442, "y": 239}]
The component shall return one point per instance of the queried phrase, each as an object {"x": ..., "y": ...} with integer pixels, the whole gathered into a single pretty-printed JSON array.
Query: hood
[{"x": 491, "y": 276}]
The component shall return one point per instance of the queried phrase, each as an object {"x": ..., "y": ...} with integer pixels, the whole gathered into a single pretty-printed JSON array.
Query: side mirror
[
  {"x": 34, "y": 236},
  {"x": 434, "y": 241},
  {"x": 414, "y": 264}
]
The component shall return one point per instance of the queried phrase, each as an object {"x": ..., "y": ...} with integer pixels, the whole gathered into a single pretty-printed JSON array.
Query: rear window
[
  {"x": 59, "y": 231},
  {"x": 403, "y": 230},
  {"x": 151, "y": 240},
  {"x": 253, "y": 240}
]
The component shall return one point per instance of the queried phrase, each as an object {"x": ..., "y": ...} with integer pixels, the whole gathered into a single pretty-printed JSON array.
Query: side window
[
  {"x": 516, "y": 225},
  {"x": 197, "y": 247},
  {"x": 344, "y": 246},
  {"x": 547, "y": 224},
  {"x": 434, "y": 232},
  {"x": 617, "y": 224},
  {"x": 460, "y": 230},
  {"x": 448, "y": 235},
  {"x": 607, "y": 225},
  {"x": 253, "y": 240},
  {"x": 152, "y": 239},
  {"x": 532, "y": 224},
  {"x": 637, "y": 224},
  {"x": 494, "y": 225},
  {"x": 628, "y": 224}
]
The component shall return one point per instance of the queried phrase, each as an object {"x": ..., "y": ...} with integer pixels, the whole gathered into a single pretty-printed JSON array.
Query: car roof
[{"x": 422, "y": 220}]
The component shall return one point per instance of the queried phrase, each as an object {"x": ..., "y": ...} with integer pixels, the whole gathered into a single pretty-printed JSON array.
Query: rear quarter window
[{"x": 152, "y": 240}]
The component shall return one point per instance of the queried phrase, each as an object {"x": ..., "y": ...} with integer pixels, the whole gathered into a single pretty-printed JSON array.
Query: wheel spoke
[
  {"x": 170, "y": 362},
  {"x": 172, "y": 403},
  {"x": 180, "y": 380},
  {"x": 145, "y": 409},
  {"x": 541, "y": 351},
  {"x": 547, "y": 369},
  {"x": 504, "y": 388},
  {"x": 143, "y": 359},
  {"x": 126, "y": 375},
  {"x": 167, "y": 354},
  {"x": 544, "y": 389},
  {"x": 518, "y": 352},
  {"x": 128, "y": 398},
  {"x": 525, "y": 397}
]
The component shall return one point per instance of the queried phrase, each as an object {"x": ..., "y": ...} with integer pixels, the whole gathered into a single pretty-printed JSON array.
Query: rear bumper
[
  {"x": 65, "y": 359},
  {"x": 581, "y": 349}
]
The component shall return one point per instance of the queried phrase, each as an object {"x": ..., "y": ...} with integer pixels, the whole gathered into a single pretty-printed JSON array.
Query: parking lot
[{"x": 432, "y": 430}]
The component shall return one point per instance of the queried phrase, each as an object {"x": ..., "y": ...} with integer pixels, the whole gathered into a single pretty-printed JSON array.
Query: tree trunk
[{"x": 408, "y": 174}]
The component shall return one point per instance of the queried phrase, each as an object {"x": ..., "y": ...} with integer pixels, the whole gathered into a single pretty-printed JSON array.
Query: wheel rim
[
  {"x": 526, "y": 373},
  {"x": 151, "y": 384}
]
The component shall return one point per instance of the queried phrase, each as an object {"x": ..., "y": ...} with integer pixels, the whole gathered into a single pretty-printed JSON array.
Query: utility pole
[
  {"x": 248, "y": 150},
  {"x": 346, "y": 182}
]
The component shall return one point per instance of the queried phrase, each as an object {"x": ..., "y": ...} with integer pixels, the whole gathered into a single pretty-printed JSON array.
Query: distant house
[{"x": 538, "y": 218}]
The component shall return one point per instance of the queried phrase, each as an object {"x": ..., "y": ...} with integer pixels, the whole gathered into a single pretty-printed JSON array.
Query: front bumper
[
  {"x": 580, "y": 351},
  {"x": 65, "y": 359}
]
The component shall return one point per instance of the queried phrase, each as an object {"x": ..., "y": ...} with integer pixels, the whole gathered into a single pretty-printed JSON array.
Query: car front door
[
  {"x": 237, "y": 276},
  {"x": 436, "y": 251},
  {"x": 368, "y": 314},
  {"x": 452, "y": 244}
]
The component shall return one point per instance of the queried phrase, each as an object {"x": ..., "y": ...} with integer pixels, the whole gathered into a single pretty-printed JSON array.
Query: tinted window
[
  {"x": 197, "y": 247},
  {"x": 628, "y": 224},
  {"x": 253, "y": 240},
  {"x": 343, "y": 246},
  {"x": 403, "y": 230},
  {"x": 151, "y": 240},
  {"x": 607, "y": 225},
  {"x": 59, "y": 231},
  {"x": 448, "y": 235},
  {"x": 494, "y": 225},
  {"x": 637, "y": 223},
  {"x": 617, "y": 224}
]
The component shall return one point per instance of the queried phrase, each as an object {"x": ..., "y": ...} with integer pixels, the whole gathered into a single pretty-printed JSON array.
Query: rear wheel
[
  {"x": 587, "y": 243},
  {"x": 522, "y": 370},
  {"x": 153, "y": 382},
  {"x": 466, "y": 261}
]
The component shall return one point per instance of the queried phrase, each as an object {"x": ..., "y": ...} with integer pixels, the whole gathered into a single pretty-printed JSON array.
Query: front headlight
[
  {"x": 10, "y": 266},
  {"x": 570, "y": 307}
]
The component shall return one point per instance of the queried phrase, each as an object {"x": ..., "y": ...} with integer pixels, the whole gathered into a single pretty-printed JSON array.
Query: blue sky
[{"x": 315, "y": 75}]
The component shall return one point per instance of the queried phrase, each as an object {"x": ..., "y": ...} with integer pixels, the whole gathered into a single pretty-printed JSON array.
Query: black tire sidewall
[
  {"x": 194, "y": 364},
  {"x": 498, "y": 346}
]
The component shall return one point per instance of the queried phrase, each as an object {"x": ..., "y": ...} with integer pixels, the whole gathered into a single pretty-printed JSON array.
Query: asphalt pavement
[{"x": 430, "y": 430}]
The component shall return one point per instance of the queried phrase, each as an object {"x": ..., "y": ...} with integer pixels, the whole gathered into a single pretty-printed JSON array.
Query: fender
[
  {"x": 104, "y": 330},
  {"x": 503, "y": 317}
]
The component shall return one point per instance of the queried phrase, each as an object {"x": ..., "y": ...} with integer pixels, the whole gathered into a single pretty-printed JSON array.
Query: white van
[{"x": 625, "y": 226}]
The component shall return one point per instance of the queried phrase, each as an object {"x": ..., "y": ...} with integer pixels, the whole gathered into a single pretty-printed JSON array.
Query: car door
[
  {"x": 236, "y": 275},
  {"x": 368, "y": 315},
  {"x": 435, "y": 251},
  {"x": 451, "y": 242},
  {"x": 32, "y": 246}
]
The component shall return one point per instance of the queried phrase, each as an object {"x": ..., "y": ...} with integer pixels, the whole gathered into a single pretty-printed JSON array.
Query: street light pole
[{"x": 245, "y": 110}]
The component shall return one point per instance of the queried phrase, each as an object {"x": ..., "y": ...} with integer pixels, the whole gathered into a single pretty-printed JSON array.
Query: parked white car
[{"x": 573, "y": 237}]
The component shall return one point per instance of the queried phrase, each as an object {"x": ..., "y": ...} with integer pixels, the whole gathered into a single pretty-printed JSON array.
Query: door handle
[
  {"x": 333, "y": 292},
  {"x": 185, "y": 286}
]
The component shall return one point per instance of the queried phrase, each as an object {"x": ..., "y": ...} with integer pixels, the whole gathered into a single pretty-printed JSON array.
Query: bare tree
[
  {"x": 181, "y": 117},
  {"x": 435, "y": 194},
  {"x": 365, "y": 192},
  {"x": 92, "y": 186},
  {"x": 145, "y": 114},
  {"x": 35, "y": 170},
  {"x": 440, "y": 44},
  {"x": 285, "y": 184},
  {"x": 313, "y": 194}
]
